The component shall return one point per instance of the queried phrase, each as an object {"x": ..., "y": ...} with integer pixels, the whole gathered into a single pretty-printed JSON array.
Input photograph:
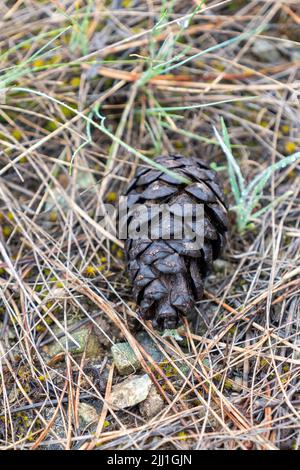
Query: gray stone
[
  {"x": 57, "y": 427},
  {"x": 265, "y": 50},
  {"x": 87, "y": 413},
  {"x": 152, "y": 405},
  {"x": 84, "y": 340},
  {"x": 130, "y": 392},
  {"x": 125, "y": 359},
  {"x": 150, "y": 347},
  {"x": 220, "y": 265},
  {"x": 295, "y": 55}
]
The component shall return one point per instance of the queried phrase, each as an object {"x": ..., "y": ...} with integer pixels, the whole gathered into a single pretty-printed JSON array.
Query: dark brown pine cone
[{"x": 168, "y": 274}]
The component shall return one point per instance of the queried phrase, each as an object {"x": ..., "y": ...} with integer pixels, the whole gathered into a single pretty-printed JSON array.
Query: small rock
[
  {"x": 150, "y": 347},
  {"x": 265, "y": 51},
  {"x": 211, "y": 420},
  {"x": 220, "y": 265},
  {"x": 295, "y": 55},
  {"x": 237, "y": 384},
  {"x": 58, "y": 427},
  {"x": 54, "y": 200},
  {"x": 87, "y": 413},
  {"x": 130, "y": 392},
  {"x": 289, "y": 50},
  {"x": 296, "y": 354},
  {"x": 10, "y": 332},
  {"x": 172, "y": 333},
  {"x": 124, "y": 358},
  {"x": 13, "y": 395},
  {"x": 86, "y": 340},
  {"x": 152, "y": 405}
]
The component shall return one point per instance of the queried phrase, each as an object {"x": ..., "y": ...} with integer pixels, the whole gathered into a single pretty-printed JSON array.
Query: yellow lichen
[
  {"x": 40, "y": 328},
  {"x": 75, "y": 82},
  {"x": 292, "y": 174},
  {"x": 178, "y": 144},
  {"x": 264, "y": 362},
  {"x": 51, "y": 126},
  {"x": 126, "y": 3},
  {"x": 285, "y": 129},
  {"x": 264, "y": 124},
  {"x": 90, "y": 271},
  {"x": 290, "y": 147},
  {"x": 6, "y": 230},
  {"x": 38, "y": 63},
  {"x": 10, "y": 216},
  {"x": 17, "y": 134},
  {"x": 228, "y": 384},
  {"x": 183, "y": 435},
  {"x": 53, "y": 216},
  {"x": 67, "y": 112},
  {"x": 120, "y": 254},
  {"x": 111, "y": 196}
]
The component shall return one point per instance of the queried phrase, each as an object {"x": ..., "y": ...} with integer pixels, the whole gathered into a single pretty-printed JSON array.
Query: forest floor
[{"x": 163, "y": 74}]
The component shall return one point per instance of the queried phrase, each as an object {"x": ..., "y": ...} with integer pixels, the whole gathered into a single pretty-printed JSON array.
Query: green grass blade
[
  {"x": 105, "y": 131},
  {"x": 270, "y": 170},
  {"x": 198, "y": 106},
  {"x": 231, "y": 168},
  {"x": 221, "y": 45}
]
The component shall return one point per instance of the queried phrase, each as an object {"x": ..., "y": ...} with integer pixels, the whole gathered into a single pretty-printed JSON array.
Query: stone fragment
[
  {"x": 152, "y": 405},
  {"x": 130, "y": 392},
  {"x": 125, "y": 359}
]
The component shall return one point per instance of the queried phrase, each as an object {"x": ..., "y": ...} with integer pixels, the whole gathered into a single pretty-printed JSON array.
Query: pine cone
[{"x": 167, "y": 275}]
